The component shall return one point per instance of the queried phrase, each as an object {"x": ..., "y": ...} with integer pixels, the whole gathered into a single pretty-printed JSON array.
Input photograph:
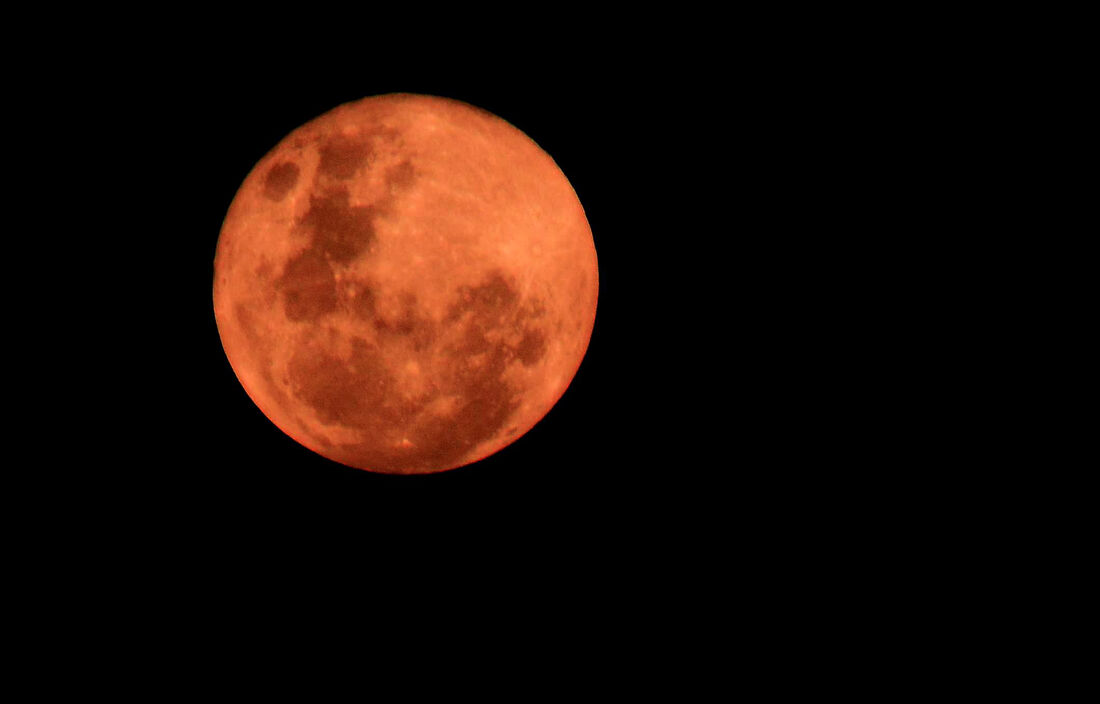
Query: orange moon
[{"x": 406, "y": 284}]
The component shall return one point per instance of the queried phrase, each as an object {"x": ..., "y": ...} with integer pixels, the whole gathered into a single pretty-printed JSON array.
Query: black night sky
[{"x": 761, "y": 396}]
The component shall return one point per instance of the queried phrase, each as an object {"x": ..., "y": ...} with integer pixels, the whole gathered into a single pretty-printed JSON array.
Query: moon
[{"x": 405, "y": 284}]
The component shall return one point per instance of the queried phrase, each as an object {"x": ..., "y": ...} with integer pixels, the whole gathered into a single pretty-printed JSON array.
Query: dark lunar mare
[
  {"x": 485, "y": 400},
  {"x": 362, "y": 393}
]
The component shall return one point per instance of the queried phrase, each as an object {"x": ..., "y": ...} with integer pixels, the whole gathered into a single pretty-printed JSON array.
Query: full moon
[{"x": 405, "y": 284}]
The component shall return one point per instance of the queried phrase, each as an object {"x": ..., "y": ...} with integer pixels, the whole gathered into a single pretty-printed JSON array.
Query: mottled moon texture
[{"x": 406, "y": 284}]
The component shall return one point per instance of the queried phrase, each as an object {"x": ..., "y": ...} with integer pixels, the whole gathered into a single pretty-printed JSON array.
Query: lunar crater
[
  {"x": 342, "y": 156},
  {"x": 280, "y": 180}
]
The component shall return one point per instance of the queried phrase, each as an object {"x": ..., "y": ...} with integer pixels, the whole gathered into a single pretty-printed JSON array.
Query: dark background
[
  {"x": 717, "y": 179},
  {"x": 712, "y": 396},
  {"x": 762, "y": 399},
  {"x": 745, "y": 409}
]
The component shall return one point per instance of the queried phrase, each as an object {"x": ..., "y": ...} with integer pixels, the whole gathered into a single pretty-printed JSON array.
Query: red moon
[{"x": 406, "y": 284}]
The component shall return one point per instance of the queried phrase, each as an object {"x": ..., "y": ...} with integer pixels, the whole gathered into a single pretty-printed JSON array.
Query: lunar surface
[{"x": 406, "y": 284}]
